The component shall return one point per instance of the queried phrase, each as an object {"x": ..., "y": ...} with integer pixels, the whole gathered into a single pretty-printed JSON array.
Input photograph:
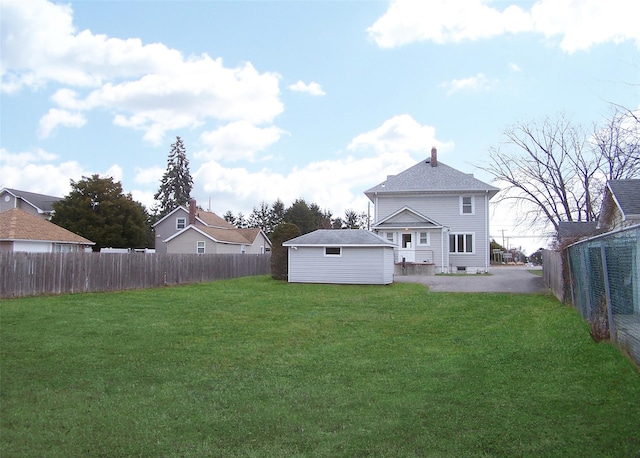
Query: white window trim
[
  {"x": 333, "y": 255},
  {"x": 473, "y": 242},
  {"x": 473, "y": 206},
  {"x": 428, "y": 243},
  {"x": 204, "y": 245},
  {"x": 178, "y": 228}
]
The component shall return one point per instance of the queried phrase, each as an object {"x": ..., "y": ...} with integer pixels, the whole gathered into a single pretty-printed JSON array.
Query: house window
[
  {"x": 181, "y": 223},
  {"x": 388, "y": 236},
  {"x": 460, "y": 243},
  {"x": 200, "y": 247},
  {"x": 332, "y": 251},
  {"x": 466, "y": 205},
  {"x": 423, "y": 238}
]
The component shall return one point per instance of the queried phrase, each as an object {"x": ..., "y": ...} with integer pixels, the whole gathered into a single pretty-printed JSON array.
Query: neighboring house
[
  {"x": 23, "y": 231},
  {"x": 436, "y": 215},
  {"x": 352, "y": 256},
  {"x": 188, "y": 230},
  {"x": 36, "y": 204},
  {"x": 573, "y": 231},
  {"x": 620, "y": 205}
]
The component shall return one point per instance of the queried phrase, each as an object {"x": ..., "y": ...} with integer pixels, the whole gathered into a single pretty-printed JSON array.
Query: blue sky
[{"x": 286, "y": 99}]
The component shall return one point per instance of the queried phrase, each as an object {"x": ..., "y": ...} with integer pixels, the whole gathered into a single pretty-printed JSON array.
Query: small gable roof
[
  {"x": 626, "y": 194},
  {"x": 234, "y": 236},
  {"x": 406, "y": 217},
  {"x": 17, "y": 224},
  {"x": 339, "y": 237},
  {"x": 422, "y": 178},
  {"x": 41, "y": 202},
  {"x": 204, "y": 217}
]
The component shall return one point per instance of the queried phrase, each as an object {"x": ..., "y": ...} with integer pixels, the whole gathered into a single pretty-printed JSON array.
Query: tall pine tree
[{"x": 176, "y": 184}]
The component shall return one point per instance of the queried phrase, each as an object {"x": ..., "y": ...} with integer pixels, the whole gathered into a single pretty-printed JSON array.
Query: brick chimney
[
  {"x": 434, "y": 157},
  {"x": 192, "y": 211}
]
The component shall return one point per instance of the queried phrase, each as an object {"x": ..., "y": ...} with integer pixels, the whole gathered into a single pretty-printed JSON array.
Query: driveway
[{"x": 502, "y": 279}]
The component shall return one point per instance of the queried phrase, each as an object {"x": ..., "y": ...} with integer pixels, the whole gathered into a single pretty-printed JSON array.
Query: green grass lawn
[{"x": 255, "y": 367}]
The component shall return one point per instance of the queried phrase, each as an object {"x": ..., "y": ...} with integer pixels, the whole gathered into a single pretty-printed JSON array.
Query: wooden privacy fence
[
  {"x": 29, "y": 274},
  {"x": 553, "y": 273}
]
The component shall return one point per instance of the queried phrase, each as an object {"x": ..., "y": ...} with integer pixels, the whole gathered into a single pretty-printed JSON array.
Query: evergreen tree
[
  {"x": 176, "y": 184},
  {"x": 261, "y": 217},
  {"x": 276, "y": 213},
  {"x": 279, "y": 258},
  {"x": 97, "y": 209},
  {"x": 229, "y": 218}
]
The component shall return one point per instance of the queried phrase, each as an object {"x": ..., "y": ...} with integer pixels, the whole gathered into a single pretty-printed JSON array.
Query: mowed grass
[{"x": 256, "y": 367}]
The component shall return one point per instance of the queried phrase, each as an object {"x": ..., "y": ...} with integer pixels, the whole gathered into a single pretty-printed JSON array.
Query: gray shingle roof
[
  {"x": 424, "y": 178},
  {"x": 339, "y": 237},
  {"x": 627, "y": 194},
  {"x": 39, "y": 201}
]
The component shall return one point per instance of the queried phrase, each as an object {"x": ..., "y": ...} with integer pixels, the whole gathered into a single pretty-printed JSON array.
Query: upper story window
[
  {"x": 466, "y": 205},
  {"x": 388, "y": 236},
  {"x": 200, "y": 247},
  {"x": 181, "y": 223}
]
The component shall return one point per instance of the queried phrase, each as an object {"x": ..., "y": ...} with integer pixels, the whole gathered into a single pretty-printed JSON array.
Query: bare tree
[{"x": 553, "y": 171}]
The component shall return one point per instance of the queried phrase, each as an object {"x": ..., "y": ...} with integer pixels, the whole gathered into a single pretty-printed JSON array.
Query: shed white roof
[{"x": 339, "y": 237}]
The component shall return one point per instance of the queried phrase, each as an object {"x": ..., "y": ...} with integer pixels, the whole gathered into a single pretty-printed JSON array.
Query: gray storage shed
[{"x": 350, "y": 256}]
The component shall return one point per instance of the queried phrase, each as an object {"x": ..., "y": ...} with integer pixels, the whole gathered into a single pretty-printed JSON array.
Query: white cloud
[
  {"x": 475, "y": 83},
  {"x": 579, "y": 24},
  {"x": 39, "y": 171},
  {"x": 334, "y": 185},
  {"x": 237, "y": 140},
  {"x": 514, "y": 67},
  {"x": 312, "y": 88},
  {"x": 147, "y": 87},
  {"x": 56, "y": 117},
  {"x": 400, "y": 134},
  {"x": 152, "y": 176}
]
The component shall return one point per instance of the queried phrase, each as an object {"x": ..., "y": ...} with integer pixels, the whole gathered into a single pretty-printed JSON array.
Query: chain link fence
[{"x": 605, "y": 286}]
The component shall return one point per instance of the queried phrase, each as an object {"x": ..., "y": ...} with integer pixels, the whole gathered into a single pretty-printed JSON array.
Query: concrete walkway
[{"x": 502, "y": 279}]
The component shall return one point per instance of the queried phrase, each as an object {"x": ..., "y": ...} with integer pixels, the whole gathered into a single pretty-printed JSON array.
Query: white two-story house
[{"x": 436, "y": 215}]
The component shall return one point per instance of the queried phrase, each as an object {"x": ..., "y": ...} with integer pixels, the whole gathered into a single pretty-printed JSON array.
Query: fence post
[{"x": 607, "y": 290}]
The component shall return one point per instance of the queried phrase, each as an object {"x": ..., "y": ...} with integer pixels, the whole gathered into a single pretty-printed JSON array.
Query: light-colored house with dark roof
[
  {"x": 188, "y": 230},
  {"x": 436, "y": 215},
  {"x": 25, "y": 232},
  {"x": 347, "y": 256},
  {"x": 31, "y": 202},
  {"x": 620, "y": 205}
]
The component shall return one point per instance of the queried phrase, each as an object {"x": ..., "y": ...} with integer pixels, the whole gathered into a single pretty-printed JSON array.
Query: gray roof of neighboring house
[
  {"x": 577, "y": 229},
  {"x": 627, "y": 195},
  {"x": 422, "y": 177},
  {"x": 339, "y": 237},
  {"x": 42, "y": 202}
]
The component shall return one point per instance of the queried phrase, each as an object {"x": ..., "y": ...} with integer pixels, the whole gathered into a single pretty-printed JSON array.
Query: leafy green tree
[
  {"x": 97, "y": 209},
  {"x": 279, "y": 259},
  {"x": 176, "y": 183}
]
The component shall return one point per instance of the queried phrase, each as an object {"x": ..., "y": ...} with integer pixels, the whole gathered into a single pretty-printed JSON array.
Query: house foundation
[{"x": 411, "y": 268}]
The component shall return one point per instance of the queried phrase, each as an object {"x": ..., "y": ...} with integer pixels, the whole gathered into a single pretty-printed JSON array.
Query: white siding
[
  {"x": 356, "y": 265},
  {"x": 445, "y": 209},
  {"x": 32, "y": 246}
]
